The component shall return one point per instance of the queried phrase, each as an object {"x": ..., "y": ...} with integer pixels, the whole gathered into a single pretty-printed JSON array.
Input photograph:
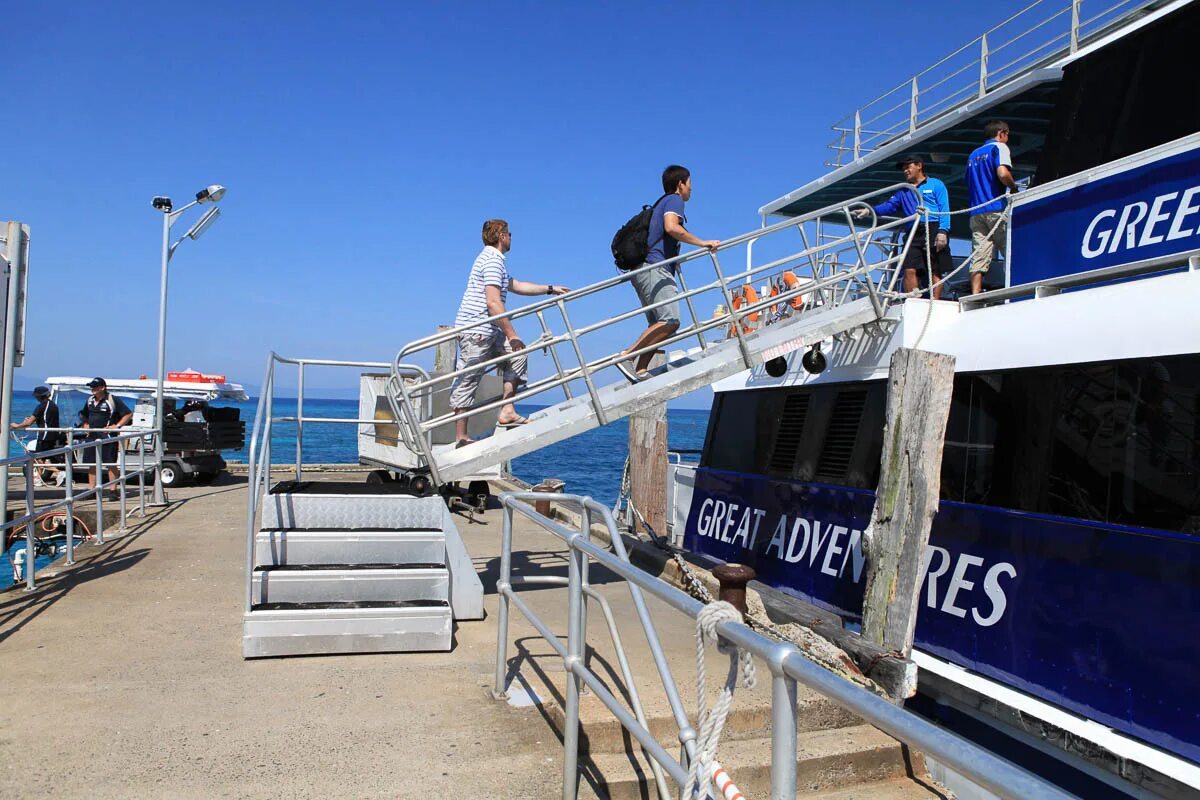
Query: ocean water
[{"x": 589, "y": 464}]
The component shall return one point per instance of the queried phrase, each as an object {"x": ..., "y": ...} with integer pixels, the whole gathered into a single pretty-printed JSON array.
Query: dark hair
[
  {"x": 993, "y": 128},
  {"x": 673, "y": 176},
  {"x": 492, "y": 231}
]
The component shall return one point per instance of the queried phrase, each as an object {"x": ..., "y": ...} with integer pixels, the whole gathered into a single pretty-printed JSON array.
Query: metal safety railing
[
  {"x": 836, "y": 259},
  {"x": 1036, "y": 36},
  {"x": 31, "y": 462},
  {"x": 265, "y": 422},
  {"x": 787, "y": 666}
]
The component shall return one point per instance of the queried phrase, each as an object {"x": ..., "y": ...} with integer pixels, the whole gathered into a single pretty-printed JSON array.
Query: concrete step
[
  {"x": 900, "y": 789},
  {"x": 323, "y": 628},
  {"x": 303, "y": 508},
  {"x": 341, "y": 583},
  {"x": 600, "y": 732},
  {"x": 278, "y": 548},
  {"x": 827, "y": 760}
]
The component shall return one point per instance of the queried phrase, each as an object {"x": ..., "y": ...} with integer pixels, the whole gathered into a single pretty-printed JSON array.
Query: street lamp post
[{"x": 210, "y": 194}]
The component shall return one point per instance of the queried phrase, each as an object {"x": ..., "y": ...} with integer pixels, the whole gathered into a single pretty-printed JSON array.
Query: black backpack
[{"x": 631, "y": 244}]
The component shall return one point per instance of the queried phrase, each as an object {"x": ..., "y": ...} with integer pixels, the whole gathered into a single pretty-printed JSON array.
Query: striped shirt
[{"x": 488, "y": 270}]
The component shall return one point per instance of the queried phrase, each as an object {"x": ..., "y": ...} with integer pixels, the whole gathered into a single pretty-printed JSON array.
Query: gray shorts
[
  {"x": 654, "y": 286},
  {"x": 474, "y": 348}
]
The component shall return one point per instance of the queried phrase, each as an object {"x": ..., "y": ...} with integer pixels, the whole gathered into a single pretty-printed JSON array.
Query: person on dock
[
  {"x": 44, "y": 416},
  {"x": 989, "y": 179},
  {"x": 104, "y": 413},
  {"x": 488, "y": 285},
  {"x": 936, "y": 201},
  {"x": 657, "y": 284}
]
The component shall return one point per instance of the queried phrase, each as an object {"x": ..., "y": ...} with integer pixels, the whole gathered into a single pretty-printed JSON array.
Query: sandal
[
  {"x": 463, "y": 443},
  {"x": 512, "y": 423},
  {"x": 630, "y": 375}
]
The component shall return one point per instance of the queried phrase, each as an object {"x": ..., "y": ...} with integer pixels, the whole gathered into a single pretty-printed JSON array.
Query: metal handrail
[
  {"x": 785, "y": 662},
  {"x": 33, "y": 512},
  {"x": 911, "y": 103},
  {"x": 259, "y": 462},
  {"x": 832, "y": 283}
]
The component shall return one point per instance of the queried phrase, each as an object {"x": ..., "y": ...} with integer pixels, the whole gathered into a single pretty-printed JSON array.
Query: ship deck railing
[
  {"x": 786, "y": 665},
  {"x": 840, "y": 260},
  {"x": 1038, "y": 35}
]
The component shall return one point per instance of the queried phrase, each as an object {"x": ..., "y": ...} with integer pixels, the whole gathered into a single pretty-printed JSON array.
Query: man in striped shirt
[{"x": 487, "y": 291}]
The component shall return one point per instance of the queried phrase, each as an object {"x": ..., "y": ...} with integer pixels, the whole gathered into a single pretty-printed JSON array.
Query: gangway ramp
[
  {"x": 694, "y": 370},
  {"x": 842, "y": 278}
]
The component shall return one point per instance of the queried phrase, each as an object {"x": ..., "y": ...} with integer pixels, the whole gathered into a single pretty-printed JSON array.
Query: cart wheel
[
  {"x": 205, "y": 477},
  {"x": 171, "y": 475},
  {"x": 379, "y": 476}
]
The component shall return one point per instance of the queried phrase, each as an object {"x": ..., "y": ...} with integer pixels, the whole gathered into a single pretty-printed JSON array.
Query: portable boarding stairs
[
  {"x": 349, "y": 568},
  {"x": 829, "y": 288}
]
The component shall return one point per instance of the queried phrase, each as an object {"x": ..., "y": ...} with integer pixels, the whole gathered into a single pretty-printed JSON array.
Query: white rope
[{"x": 711, "y": 722}]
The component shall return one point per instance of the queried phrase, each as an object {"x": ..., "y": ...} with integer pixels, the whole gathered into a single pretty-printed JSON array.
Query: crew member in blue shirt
[
  {"x": 989, "y": 178},
  {"x": 903, "y": 203}
]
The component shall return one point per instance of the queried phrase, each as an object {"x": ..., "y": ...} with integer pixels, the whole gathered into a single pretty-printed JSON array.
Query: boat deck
[{"x": 123, "y": 677}]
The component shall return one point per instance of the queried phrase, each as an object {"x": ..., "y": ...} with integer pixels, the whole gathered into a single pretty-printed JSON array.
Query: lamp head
[
  {"x": 162, "y": 204},
  {"x": 210, "y": 194}
]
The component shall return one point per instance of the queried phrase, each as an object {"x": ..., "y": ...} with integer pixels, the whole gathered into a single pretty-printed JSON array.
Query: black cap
[
  {"x": 41, "y": 391},
  {"x": 94, "y": 382},
  {"x": 909, "y": 158}
]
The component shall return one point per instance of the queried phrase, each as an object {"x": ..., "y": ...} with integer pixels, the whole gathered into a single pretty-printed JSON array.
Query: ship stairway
[{"x": 798, "y": 282}]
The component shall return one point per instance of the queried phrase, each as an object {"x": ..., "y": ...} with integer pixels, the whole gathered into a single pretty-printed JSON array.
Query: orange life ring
[
  {"x": 791, "y": 282},
  {"x": 774, "y": 293},
  {"x": 744, "y": 297}
]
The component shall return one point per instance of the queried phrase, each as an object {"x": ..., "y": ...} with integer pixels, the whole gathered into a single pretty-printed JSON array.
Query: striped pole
[{"x": 725, "y": 784}]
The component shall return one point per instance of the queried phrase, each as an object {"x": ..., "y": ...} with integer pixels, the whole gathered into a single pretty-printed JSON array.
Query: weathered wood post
[
  {"x": 918, "y": 406},
  {"x": 444, "y": 354},
  {"x": 648, "y": 462}
]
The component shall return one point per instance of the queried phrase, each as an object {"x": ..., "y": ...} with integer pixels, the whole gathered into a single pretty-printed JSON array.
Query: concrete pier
[{"x": 123, "y": 677}]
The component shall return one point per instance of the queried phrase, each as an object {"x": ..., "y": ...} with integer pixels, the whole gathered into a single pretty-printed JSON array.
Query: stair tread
[
  {"x": 347, "y": 567},
  {"x": 900, "y": 789},
  {"x": 352, "y": 604},
  {"x": 354, "y": 531}
]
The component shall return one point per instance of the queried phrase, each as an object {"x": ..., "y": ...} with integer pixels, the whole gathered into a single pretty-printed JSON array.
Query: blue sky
[{"x": 363, "y": 145}]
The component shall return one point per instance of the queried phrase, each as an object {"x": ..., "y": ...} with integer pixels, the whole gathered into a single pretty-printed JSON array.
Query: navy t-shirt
[{"x": 662, "y": 245}]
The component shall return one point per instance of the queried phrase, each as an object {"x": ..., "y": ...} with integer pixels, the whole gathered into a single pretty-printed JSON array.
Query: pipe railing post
[
  {"x": 98, "y": 453},
  {"x": 503, "y": 586},
  {"x": 585, "y": 527},
  {"x": 983, "y": 64},
  {"x": 30, "y": 545},
  {"x": 70, "y": 487},
  {"x": 572, "y": 664},
  {"x": 300, "y": 423},
  {"x": 737, "y": 327},
  {"x": 558, "y": 370},
  {"x": 142, "y": 477},
  {"x": 783, "y": 738},
  {"x": 857, "y": 134},
  {"x": 601, "y": 417},
  {"x": 1075, "y": 4},
  {"x": 912, "y": 106},
  {"x": 121, "y": 485},
  {"x": 687, "y": 298}
]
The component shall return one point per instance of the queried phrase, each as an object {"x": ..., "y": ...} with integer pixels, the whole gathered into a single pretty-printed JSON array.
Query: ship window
[
  {"x": 841, "y": 435},
  {"x": 742, "y": 429},
  {"x": 791, "y": 428}
]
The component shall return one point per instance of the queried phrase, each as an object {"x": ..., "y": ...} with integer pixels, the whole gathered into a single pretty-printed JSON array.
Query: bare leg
[
  {"x": 508, "y": 412},
  {"x": 658, "y": 332},
  {"x": 910, "y": 280},
  {"x": 937, "y": 287},
  {"x": 976, "y": 282},
  {"x": 460, "y": 427}
]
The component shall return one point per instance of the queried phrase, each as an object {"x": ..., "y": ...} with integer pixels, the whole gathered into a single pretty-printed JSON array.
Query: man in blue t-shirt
[
  {"x": 989, "y": 177},
  {"x": 655, "y": 283},
  {"x": 936, "y": 202}
]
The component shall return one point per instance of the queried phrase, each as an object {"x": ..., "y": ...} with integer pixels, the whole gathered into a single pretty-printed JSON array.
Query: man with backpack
[{"x": 656, "y": 284}]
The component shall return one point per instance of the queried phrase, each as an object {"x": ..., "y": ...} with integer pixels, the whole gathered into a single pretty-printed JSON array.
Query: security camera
[{"x": 162, "y": 203}]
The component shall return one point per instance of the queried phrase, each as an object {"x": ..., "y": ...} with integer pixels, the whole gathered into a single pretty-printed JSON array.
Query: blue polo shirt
[
  {"x": 662, "y": 245},
  {"x": 933, "y": 196},
  {"x": 982, "y": 183}
]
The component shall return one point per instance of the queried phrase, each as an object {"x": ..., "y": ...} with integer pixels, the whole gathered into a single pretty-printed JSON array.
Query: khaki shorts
[
  {"x": 656, "y": 285},
  {"x": 985, "y": 246}
]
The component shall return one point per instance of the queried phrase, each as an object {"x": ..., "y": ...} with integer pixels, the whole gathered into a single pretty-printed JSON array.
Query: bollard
[
  {"x": 733, "y": 579},
  {"x": 549, "y": 486}
]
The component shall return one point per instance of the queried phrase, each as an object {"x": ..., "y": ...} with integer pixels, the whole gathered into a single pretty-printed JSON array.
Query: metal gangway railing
[
  {"x": 51, "y": 512},
  {"x": 786, "y": 664},
  {"x": 1036, "y": 36},
  {"x": 839, "y": 279}
]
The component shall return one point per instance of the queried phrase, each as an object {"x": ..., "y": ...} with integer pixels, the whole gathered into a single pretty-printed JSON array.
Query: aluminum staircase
[
  {"x": 828, "y": 288},
  {"x": 336, "y": 570}
]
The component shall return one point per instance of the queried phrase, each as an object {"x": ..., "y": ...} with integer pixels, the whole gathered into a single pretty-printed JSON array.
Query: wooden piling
[
  {"x": 648, "y": 462},
  {"x": 918, "y": 406}
]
